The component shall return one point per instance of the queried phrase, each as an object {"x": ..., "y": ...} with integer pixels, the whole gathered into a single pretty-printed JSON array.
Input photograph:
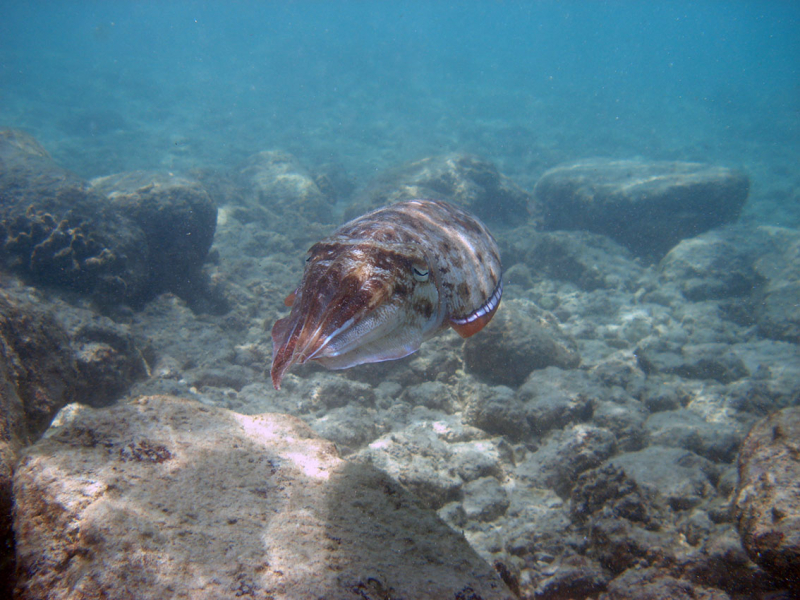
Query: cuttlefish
[{"x": 383, "y": 283}]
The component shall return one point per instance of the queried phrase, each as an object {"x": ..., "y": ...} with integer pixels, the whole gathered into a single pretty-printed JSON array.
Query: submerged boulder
[
  {"x": 109, "y": 361},
  {"x": 767, "y": 501},
  {"x": 55, "y": 229},
  {"x": 588, "y": 260},
  {"x": 647, "y": 207},
  {"x": 759, "y": 265},
  {"x": 275, "y": 183},
  {"x": 176, "y": 215},
  {"x": 462, "y": 179},
  {"x": 681, "y": 477},
  {"x": 520, "y": 339},
  {"x": 38, "y": 375},
  {"x": 777, "y": 306},
  {"x": 715, "y": 265},
  {"x": 124, "y": 238},
  {"x": 658, "y": 584},
  {"x": 162, "y": 494},
  {"x": 715, "y": 361}
]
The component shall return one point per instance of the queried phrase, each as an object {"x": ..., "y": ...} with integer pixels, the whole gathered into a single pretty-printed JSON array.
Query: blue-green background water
[{"x": 116, "y": 86}]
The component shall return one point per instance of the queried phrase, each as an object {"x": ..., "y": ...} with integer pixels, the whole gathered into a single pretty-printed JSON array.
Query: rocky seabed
[{"x": 628, "y": 425}]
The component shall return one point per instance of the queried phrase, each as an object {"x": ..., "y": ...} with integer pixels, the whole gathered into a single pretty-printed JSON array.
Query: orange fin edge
[{"x": 466, "y": 330}]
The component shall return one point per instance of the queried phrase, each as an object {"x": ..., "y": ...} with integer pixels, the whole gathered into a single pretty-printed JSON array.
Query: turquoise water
[
  {"x": 677, "y": 360},
  {"x": 116, "y": 86}
]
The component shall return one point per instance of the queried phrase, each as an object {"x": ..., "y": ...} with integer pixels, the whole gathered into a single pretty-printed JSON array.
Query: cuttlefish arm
[{"x": 358, "y": 302}]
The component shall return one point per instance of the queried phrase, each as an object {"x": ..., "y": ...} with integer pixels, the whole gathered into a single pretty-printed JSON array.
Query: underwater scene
[{"x": 399, "y": 300}]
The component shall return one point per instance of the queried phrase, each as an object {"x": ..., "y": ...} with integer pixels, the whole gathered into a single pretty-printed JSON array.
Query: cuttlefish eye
[{"x": 420, "y": 272}]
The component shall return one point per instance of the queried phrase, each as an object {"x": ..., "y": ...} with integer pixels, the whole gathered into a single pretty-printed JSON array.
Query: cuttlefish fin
[
  {"x": 470, "y": 328},
  {"x": 477, "y": 320},
  {"x": 290, "y": 298}
]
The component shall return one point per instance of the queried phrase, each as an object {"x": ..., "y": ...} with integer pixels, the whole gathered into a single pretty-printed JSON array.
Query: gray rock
[
  {"x": 777, "y": 307},
  {"x": 467, "y": 180},
  {"x": 588, "y": 260},
  {"x": 681, "y": 477},
  {"x": 535, "y": 523},
  {"x": 698, "y": 323},
  {"x": 416, "y": 457},
  {"x": 628, "y": 529},
  {"x": 520, "y": 339},
  {"x": 55, "y": 229},
  {"x": 713, "y": 360},
  {"x": 225, "y": 377},
  {"x": 480, "y": 458},
  {"x": 624, "y": 417},
  {"x": 722, "y": 562},
  {"x": 125, "y": 238},
  {"x": 178, "y": 218},
  {"x": 108, "y": 358},
  {"x": 554, "y": 398},
  {"x": 647, "y": 207},
  {"x": 349, "y": 427},
  {"x": 38, "y": 375},
  {"x": 621, "y": 370},
  {"x": 658, "y": 584},
  {"x": 665, "y": 392},
  {"x": 696, "y": 526},
  {"x": 609, "y": 491},
  {"x": 276, "y": 184},
  {"x": 495, "y": 410},
  {"x": 760, "y": 398},
  {"x": 39, "y": 362},
  {"x": 767, "y": 501},
  {"x": 518, "y": 274},
  {"x": 566, "y": 455},
  {"x": 715, "y": 265},
  {"x": 622, "y": 522},
  {"x": 620, "y": 544},
  {"x": 758, "y": 266},
  {"x": 432, "y": 394},
  {"x": 484, "y": 499},
  {"x": 575, "y": 577},
  {"x": 434, "y": 454},
  {"x": 332, "y": 391},
  {"x": 778, "y": 316},
  {"x": 256, "y": 398},
  {"x": 686, "y": 429},
  {"x": 162, "y": 494},
  {"x": 199, "y": 347}
]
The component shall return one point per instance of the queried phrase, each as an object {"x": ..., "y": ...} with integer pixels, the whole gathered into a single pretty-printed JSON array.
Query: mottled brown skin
[{"x": 383, "y": 283}]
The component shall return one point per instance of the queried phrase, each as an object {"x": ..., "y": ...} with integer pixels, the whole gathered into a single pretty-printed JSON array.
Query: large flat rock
[
  {"x": 647, "y": 207},
  {"x": 167, "y": 498}
]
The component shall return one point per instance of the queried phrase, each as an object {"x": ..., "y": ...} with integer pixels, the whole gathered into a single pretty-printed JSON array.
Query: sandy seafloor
[{"x": 353, "y": 90}]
